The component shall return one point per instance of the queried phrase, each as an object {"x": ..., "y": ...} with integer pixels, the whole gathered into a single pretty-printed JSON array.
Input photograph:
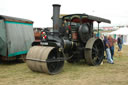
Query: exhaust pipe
[{"x": 56, "y": 13}]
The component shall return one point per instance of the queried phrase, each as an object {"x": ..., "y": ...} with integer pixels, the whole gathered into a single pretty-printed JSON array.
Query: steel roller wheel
[
  {"x": 94, "y": 52},
  {"x": 45, "y": 59},
  {"x": 55, "y": 61}
]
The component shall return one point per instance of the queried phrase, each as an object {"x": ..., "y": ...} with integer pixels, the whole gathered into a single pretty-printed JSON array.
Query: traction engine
[{"x": 71, "y": 39}]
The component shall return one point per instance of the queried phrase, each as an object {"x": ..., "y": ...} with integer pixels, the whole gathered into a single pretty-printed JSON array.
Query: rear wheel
[{"x": 94, "y": 52}]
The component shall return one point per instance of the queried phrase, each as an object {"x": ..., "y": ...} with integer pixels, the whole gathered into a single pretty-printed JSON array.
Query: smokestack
[{"x": 56, "y": 14}]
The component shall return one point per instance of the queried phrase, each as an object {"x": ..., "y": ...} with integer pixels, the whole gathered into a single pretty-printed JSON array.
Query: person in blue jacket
[{"x": 107, "y": 49}]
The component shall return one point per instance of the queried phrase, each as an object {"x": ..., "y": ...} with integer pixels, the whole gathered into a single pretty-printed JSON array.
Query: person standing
[
  {"x": 119, "y": 42},
  {"x": 107, "y": 49},
  {"x": 111, "y": 44}
]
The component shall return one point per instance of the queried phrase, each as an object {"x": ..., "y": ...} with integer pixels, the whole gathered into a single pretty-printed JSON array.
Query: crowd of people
[{"x": 109, "y": 47}]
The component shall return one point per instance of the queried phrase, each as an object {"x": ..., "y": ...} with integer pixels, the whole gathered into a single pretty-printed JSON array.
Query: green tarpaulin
[{"x": 15, "y": 37}]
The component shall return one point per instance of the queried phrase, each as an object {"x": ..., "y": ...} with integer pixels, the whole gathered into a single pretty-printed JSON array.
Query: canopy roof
[{"x": 89, "y": 17}]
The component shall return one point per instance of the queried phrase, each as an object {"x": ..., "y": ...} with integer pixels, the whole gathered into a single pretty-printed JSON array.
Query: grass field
[{"x": 72, "y": 74}]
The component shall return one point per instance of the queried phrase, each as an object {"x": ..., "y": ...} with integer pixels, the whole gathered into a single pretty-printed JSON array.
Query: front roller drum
[{"x": 44, "y": 59}]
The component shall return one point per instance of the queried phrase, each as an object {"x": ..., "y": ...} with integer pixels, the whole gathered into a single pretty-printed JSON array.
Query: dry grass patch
[{"x": 72, "y": 74}]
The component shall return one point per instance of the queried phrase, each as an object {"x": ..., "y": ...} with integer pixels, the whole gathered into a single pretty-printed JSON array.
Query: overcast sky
[{"x": 40, "y": 11}]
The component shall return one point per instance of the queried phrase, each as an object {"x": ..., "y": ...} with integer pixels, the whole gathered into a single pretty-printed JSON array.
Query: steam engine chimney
[{"x": 56, "y": 14}]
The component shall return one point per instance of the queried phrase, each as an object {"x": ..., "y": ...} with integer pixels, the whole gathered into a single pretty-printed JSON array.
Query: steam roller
[{"x": 71, "y": 39}]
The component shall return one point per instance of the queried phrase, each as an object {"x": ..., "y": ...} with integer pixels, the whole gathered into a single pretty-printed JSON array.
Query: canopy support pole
[{"x": 98, "y": 30}]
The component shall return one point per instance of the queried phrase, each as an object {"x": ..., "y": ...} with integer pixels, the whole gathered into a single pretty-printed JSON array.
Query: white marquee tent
[{"x": 121, "y": 31}]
